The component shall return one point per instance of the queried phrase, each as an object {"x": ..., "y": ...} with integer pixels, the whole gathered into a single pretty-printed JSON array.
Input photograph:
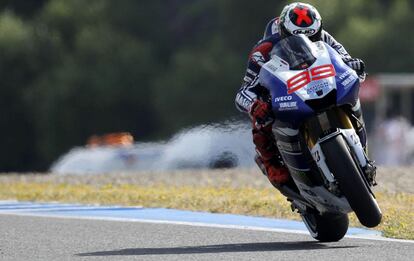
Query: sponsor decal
[
  {"x": 317, "y": 156},
  {"x": 258, "y": 58},
  {"x": 304, "y": 78},
  {"x": 347, "y": 78},
  {"x": 276, "y": 64},
  {"x": 243, "y": 101},
  {"x": 319, "y": 88},
  {"x": 272, "y": 67},
  {"x": 288, "y": 106},
  {"x": 304, "y": 31},
  {"x": 345, "y": 74},
  {"x": 283, "y": 98}
]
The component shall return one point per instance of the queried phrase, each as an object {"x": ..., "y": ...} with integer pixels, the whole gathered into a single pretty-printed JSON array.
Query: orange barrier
[{"x": 111, "y": 139}]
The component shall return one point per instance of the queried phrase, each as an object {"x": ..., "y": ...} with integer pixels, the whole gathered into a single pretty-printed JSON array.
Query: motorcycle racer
[{"x": 254, "y": 99}]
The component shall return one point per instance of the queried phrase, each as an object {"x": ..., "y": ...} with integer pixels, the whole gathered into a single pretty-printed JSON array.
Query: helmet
[{"x": 300, "y": 18}]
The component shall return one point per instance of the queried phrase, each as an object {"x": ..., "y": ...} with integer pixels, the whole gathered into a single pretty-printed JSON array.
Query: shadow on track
[{"x": 227, "y": 248}]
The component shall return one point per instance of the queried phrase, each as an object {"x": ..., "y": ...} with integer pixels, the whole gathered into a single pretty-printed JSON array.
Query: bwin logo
[
  {"x": 304, "y": 31},
  {"x": 283, "y": 98}
]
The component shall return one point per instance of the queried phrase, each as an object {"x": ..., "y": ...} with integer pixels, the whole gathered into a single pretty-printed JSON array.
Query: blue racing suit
[{"x": 251, "y": 88}]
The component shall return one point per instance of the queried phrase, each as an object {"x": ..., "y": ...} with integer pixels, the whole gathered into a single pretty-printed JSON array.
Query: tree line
[{"x": 71, "y": 69}]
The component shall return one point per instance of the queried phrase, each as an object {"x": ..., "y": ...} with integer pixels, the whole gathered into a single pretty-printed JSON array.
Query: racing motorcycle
[{"x": 312, "y": 92}]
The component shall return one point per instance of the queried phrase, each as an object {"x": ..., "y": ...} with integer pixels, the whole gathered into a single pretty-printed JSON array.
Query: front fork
[{"x": 338, "y": 121}]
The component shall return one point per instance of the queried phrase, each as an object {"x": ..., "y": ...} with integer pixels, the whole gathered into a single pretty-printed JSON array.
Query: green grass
[{"x": 398, "y": 209}]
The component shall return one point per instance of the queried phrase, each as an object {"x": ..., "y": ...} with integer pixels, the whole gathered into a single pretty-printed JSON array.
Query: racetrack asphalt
[{"x": 72, "y": 238}]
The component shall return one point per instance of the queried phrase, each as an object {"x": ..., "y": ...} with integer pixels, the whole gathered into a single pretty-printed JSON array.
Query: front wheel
[
  {"x": 343, "y": 167},
  {"x": 326, "y": 228}
]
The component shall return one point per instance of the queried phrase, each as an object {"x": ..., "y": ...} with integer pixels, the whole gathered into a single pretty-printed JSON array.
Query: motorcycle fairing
[
  {"x": 291, "y": 106},
  {"x": 293, "y": 92}
]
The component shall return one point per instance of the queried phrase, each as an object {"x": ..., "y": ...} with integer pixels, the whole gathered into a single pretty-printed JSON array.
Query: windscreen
[{"x": 296, "y": 51}]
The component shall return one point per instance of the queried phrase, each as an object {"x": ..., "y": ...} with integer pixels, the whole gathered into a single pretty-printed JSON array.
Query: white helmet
[{"x": 300, "y": 18}]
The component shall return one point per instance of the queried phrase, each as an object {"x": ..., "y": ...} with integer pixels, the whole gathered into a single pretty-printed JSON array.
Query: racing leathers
[{"x": 252, "y": 96}]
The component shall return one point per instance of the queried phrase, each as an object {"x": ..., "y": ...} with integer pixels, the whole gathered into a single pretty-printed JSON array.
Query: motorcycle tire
[
  {"x": 351, "y": 184},
  {"x": 326, "y": 228}
]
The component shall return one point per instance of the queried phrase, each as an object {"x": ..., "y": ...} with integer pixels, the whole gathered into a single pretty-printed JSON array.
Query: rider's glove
[
  {"x": 261, "y": 113},
  {"x": 357, "y": 64}
]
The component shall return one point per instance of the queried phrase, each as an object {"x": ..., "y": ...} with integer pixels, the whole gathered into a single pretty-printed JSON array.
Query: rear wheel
[
  {"x": 343, "y": 167},
  {"x": 326, "y": 228}
]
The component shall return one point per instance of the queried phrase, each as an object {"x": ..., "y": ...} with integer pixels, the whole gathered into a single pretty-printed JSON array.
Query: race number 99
[{"x": 304, "y": 78}]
